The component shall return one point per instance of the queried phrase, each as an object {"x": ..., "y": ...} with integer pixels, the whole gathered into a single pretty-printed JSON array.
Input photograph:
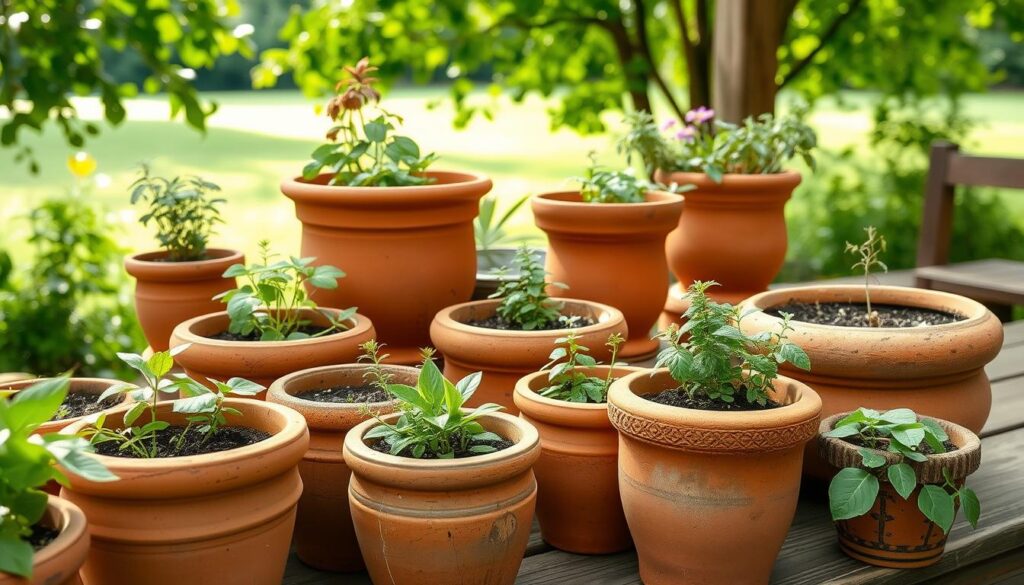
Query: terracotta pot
[
  {"x": 936, "y": 371},
  {"x": 324, "y": 537},
  {"x": 894, "y": 533},
  {"x": 167, "y": 293},
  {"x": 444, "y": 521},
  {"x": 578, "y": 503},
  {"x": 58, "y": 562},
  {"x": 709, "y": 495},
  {"x": 264, "y": 361},
  {"x": 612, "y": 253},
  {"x": 733, "y": 232},
  {"x": 222, "y": 518},
  {"x": 8, "y": 377},
  {"x": 506, "y": 356},
  {"x": 408, "y": 252}
]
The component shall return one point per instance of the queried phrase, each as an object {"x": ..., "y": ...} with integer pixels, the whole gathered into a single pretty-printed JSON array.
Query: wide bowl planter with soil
[
  {"x": 408, "y": 252},
  {"x": 503, "y": 355},
  {"x": 167, "y": 293},
  {"x": 895, "y": 533},
  {"x": 709, "y": 495},
  {"x": 80, "y": 401},
  {"x": 264, "y": 361},
  {"x": 578, "y": 503},
  {"x": 58, "y": 562},
  {"x": 223, "y": 518},
  {"x": 612, "y": 253},
  {"x": 935, "y": 370},
  {"x": 324, "y": 537},
  {"x": 444, "y": 521}
]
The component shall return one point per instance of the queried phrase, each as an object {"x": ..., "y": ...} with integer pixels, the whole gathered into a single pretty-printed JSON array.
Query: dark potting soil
[
  {"x": 346, "y": 394},
  {"x": 681, "y": 399},
  {"x": 855, "y": 315},
  {"x": 255, "y": 335},
  {"x": 924, "y": 448},
  {"x": 78, "y": 404},
  {"x": 495, "y": 322},
  {"x": 225, "y": 439},
  {"x": 42, "y": 536},
  {"x": 382, "y": 446}
]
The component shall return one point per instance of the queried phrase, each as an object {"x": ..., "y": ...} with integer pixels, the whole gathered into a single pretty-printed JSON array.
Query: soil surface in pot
[
  {"x": 382, "y": 446},
  {"x": 225, "y": 439},
  {"x": 346, "y": 395},
  {"x": 924, "y": 448},
  {"x": 166, "y": 260},
  {"x": 83, "y": 404},
  {"x": 855, "y": 315},
  {"x": 678, "y": 398},
  {"x": 42, "y": 536},
  {"x": 567, "y": 322},
  {"x": 255, "y": 335}
]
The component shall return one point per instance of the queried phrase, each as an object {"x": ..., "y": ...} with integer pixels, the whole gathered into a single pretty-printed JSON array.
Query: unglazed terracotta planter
[
  {"x": 894, "y": 533},
  {"x": 936, "y": 371},
  {"x": 221, "y": 518},
  {"x": 444, "y": 521},
  {"x": 612, "y": 253},
  {"x": 264, "y": 361},
  {"x": 58, "y": 562},
  {"x": 505, "y": 356},
  {"x": 578, "y": 503},
  {"x": 167, "y": 293},
  {"x": 407, "y": 252},
  {"x": 92, "y": 386},
  {"x": 324, "y": 537},
  {"x": 709, "y": 495}
]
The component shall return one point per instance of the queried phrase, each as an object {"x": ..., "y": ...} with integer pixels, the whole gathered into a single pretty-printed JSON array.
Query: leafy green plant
[
  {"x": 376, "y": 373},
  {"x": 183, "y": 213},
  {"x": 361, "y": 153},
  {"x": 900, "y": 431},
  {"x": 869, "y": 252},
  {"x": 28, "y": 462},
  {"x": 489, "y": 229},
  {"x": 600, "y": 185},
  {"x": 524, "y": 301},
  {"x": 710, "y": 356},
  {"x": 565, "y": 380},
  {"x": 273, "y": 293}
]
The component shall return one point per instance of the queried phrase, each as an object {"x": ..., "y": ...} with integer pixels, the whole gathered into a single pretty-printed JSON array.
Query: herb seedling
[
  {"x": 900, "y": 431},
  {"x": 376, "y": 374},
  {"x": 182, "y": 211},
  {"x": 869, "y": 252},
  {"x": 601, "y": 185},
  {"x": 567, "y": 382},
  {"x": 524, "y": 301}
]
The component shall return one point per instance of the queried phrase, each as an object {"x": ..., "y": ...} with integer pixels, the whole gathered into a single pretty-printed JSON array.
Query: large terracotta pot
[
  {"x": 324, "y": 537},
  {"x": 894, "y": 533},
  {"x": 578, "y": 503},
  {"x": 264, "y": 361},
  {"x": 167, "y": 293},
  {"x": 733, "y": 232},
  {"x": 408, "y": 252},
  {"x": 58, "y": 562},
  {"x": 936, "y": 371},
  {"x": 612, "y": 253},
  {"x": 444, "y": 521},
  {"x": 506, "y": 356},
  {"x": 217, "y": 519},
  {"x": 709, "y": 495}
]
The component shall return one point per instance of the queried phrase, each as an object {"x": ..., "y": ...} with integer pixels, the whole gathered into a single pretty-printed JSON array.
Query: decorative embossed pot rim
[
  {"x": 563, "y": 412},
  {"x": 452, "y": 318}
]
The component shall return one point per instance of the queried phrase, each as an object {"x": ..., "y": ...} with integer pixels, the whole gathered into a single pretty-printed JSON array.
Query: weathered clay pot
[
  {"x": 167, "y": 293},
  {"x": 408, "y": 252},
  {"x": 444, "y": 521},
  {"x": 894, "y": 533},
  {"x": 324, "y": 537},
  {"x": 733, "y": 232},
  {"x": 936, "y": 371},
  {"x": 709, "y": 495},
  {"x": 264, "y": 361},
  {"x": 506, "y": 356},
  {"x": 58, "y": 562},
  {"x": 578, "y": 503},
  {"x": 612, "y": 253},
  {"x": 222, "y": 518}
]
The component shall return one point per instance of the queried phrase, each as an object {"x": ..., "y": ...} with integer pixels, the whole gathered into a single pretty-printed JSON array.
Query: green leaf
[
  {"x": 38, "y": 403},
  {"x": 15, "y": 556},
  {"x": 971, "y": 505},
  {"x": 468, "y": 385},
  {"x": 244, "y": 387},
  {"x": 843, "y": 431},
  {"x": 852, "y": 493},
  {"x": 160, "y": 363},
  {"x": 910, "y": 435},
  {"x": 903, "y": 479},
  {"x": 937, "y": 505},
  {"x": 409, "y": 395},
  {"x": 452, "y": 398},
  {"x": 133, "y": 413},
  {"x": 196, "y": 404},
  {"x": 795, "y": 355},
  {"x": 899, "y": 416},
  {"x": 871, "y": 458},
  {"x": 431, "y": 385},
  {"x": 376, "y": 131}
]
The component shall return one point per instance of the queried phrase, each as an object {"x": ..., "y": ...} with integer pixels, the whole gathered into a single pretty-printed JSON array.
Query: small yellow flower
[{"x": 81, "y": 164}]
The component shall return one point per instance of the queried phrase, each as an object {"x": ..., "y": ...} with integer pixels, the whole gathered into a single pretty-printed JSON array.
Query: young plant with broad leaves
[
  {"x": 567, "y": 381},
  {"x": 182, "y": 211},
  {"x": 601, "y": 185},
  {"x": 901, "y": 432},
  {"x": 525, "y": 301},
  {"x": 869, "y": 251}
]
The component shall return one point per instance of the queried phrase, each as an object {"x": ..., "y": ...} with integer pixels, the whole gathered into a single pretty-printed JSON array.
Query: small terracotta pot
[
  {"x": 264, "y": 361},
  {"x": 392, "y": 241},
  {"x": 937, "y": 371},
  {"x": 612, "y": 253},
  {"x": 894, "y": 533},
  {"x": 444, "y": 521},
  {"x": 709, "y": 495},
  {"x": 167, "y": 293},
  {"x": 324, "y": 538},
  {"x": 218, "y": 518},
  {"x": 578, "y": 503},
  {"x": 506, "y": 356},
  {"x": 58, "y": 562}
]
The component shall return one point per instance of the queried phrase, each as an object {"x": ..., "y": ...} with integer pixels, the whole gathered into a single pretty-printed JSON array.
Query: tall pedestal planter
[
  {"x": 444, "y": 521},
  {"x": 578, "y": 503},
  {"x": 407, "y": 252},
  {"x": 936, "y": 370},
  {"x": 223, "y": 518},
  {"x": 505, "y": 356},
  {"x": 709, "y": 496},
  {"x": 167, "y": 293},
  {"x": 612, "y": 253},
  {"x": 58, "y": 562}
]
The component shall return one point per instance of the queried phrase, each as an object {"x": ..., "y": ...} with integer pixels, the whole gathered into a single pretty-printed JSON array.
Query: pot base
[{"x": 890, "y": 559}]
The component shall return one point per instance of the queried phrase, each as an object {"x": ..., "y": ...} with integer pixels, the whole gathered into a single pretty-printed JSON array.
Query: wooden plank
[
  {"x": 1013, "y": 334},
  {"x": 1008, "y": 364},
  {"x": 986, "y": 171},
  {"x": 1007, "y": 407}
]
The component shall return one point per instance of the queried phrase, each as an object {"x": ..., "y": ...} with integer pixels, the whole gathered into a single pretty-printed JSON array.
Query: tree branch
[
  {"x": 645, "y": 51},
  {"x": 829, "y": 33}
]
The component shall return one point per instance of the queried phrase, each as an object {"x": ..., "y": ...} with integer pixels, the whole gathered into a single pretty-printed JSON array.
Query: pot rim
[
  {"x": 563, "y": 412},
  {"x": 606, "y": 314},
  {"x": 787, "y": 178},
  {"x": 75, "y": 387},
  {"x": 185, "y": 334},
  {"x": 654, "y": 198},
  {"x": 467, "y": 181},
  {"x": 142, "y": 267},
  {"x": 72, "y": 528},
  {"x": 524, "y": 388},
  {"x": 280, "y": 393}
]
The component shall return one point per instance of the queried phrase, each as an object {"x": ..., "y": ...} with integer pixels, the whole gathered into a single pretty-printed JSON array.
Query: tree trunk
[{"x": 747, "y": 36}]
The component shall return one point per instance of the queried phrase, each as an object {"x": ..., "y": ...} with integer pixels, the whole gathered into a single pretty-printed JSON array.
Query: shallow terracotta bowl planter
[{"x": 58, "y": 562}]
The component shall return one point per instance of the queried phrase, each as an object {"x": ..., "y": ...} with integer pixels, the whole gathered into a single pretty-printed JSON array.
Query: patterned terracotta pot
[{"x": 58, "y": 562}]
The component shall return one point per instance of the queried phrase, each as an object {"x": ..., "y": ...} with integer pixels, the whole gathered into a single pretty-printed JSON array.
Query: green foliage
[
  {"x": 28, "y": 463},
  {"x": 376, "y": 373},
  {"x": 489, "y": 229},
  {"x": 718, "y": 360},
  {"x": 869, "y": 251},
  {"x": 183, "y": 214},
  {"x": 601, "y": 185},
  {"x": 525, "y": 301},
  {"x": 565, "y": 380}
]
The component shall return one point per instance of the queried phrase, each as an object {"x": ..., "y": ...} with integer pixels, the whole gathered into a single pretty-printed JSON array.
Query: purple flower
[
  {"x": 700, "y": 115},
  {"x": 668, "y": 124},
  {"x": 687, "y": 133}
]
